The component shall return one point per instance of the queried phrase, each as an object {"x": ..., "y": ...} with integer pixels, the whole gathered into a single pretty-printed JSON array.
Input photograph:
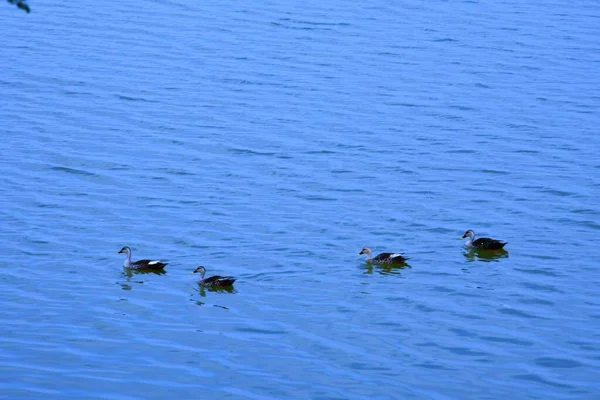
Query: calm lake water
[{"x": 272, "y": 142}]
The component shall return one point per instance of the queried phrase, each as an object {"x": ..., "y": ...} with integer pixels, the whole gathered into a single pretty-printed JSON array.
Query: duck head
[
  {"x": 468, "y": 233},
  {"x": 200, "y": 270},
  {"x": 366, "y": 250},
  {"x": 125, "y": 250}
]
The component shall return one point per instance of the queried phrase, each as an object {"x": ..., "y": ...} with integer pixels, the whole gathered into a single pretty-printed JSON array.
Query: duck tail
[{"x": 228, "y": 281}]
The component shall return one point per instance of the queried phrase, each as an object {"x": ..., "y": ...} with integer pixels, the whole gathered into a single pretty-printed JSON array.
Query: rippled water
[{"x": 272, "y": 142}]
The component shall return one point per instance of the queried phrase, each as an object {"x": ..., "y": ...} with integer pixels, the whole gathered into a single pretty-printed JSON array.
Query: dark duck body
[
  {"x": 140, "y": 264},
  {"x": 383, "y": 258},
  {"x": 213, "y": 281},
  {"x": 482, "y": 243}
]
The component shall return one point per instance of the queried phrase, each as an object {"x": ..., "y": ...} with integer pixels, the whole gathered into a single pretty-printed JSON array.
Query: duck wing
[
  {"x": 148, "y": 264},
  {"x": 218, "y": 281},
  {"x": 388, "y": 258},
  {"x": 488, "y": 244},
  {"x": 397, "y": 258}
]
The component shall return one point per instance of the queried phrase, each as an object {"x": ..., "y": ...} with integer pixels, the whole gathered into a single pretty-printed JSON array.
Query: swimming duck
[
  {"x": 213, "y": 281},
  {"x": 383, "y": 258},
  {"x": 482, "y": 243},
  {"x": 140, "y": 264}
]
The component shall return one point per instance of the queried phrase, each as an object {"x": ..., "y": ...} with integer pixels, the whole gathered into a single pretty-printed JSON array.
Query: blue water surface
[{"x": 272, "y": 141}]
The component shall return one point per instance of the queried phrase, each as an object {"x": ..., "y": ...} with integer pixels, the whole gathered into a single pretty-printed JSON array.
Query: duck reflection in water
[
  {"x": 130, "y": 272},
  {"x": 385, "y": 269},
  {"x": 473, "y": 254},
  {"x": 203, "y": 289}
]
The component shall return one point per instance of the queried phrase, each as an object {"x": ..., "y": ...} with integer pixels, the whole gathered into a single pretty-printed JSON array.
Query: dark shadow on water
[
  {"x": 386, "y": 269},
  {"x": 484, "y": 255}
]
